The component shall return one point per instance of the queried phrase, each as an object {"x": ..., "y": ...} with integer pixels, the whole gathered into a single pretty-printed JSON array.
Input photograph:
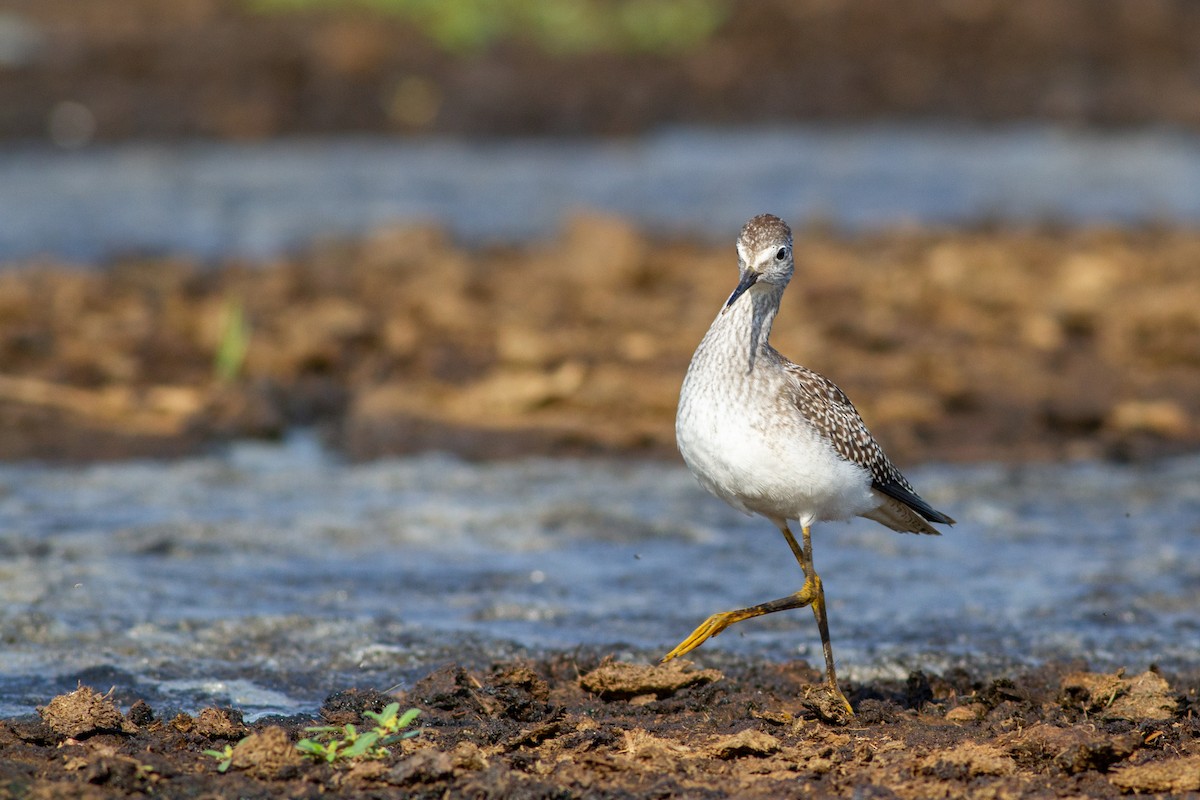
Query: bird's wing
[{"x": 829, "y": 410}]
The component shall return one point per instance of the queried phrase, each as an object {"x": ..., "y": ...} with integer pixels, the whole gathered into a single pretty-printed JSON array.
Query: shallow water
[
  {"x": 217, "y": 199},
  {"x": 269, "y": 575}
]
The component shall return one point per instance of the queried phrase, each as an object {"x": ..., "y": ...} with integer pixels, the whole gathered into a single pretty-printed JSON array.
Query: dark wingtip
[
  {"x": 913, "y": 501},
  {"x": 937, "y": 516}
]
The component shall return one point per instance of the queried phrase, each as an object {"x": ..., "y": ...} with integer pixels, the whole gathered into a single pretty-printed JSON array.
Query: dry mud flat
[
  {"x": 956, "y": 345},
  {"x": 589, "y": 727}
]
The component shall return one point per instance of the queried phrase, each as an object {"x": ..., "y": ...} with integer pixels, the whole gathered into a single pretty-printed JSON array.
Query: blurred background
[
  {"x": 499, "y": 227},
  {"x": 286, "y": 248},
  {"x": 252, "y": 69}
]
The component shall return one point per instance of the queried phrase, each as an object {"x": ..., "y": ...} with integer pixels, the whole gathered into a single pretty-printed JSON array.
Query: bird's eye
[{"x": 782, "y": 254}]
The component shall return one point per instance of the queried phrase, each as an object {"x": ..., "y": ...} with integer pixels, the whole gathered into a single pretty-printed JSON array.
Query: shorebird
[{"x": 774, "y": 438}]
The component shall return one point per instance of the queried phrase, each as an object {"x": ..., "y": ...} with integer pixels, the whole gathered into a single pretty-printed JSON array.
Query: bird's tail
[{"x": 903, "y": 518}]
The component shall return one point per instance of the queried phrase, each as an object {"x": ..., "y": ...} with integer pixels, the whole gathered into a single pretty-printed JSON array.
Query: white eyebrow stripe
[{"x": 768, "y": 252}]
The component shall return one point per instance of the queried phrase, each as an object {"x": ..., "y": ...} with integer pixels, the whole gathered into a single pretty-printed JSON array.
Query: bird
[{"x": 773, "y": 438}]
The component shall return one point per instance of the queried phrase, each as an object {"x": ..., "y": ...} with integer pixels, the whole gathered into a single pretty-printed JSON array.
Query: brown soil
[
  {"x": 955, "y": 345},
  {"x": 145, "y": 68},
  {"x": 572, "y": 726}
]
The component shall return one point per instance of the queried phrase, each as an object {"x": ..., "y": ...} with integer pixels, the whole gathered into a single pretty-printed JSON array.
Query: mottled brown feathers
[{"x": 830, "y": 411}]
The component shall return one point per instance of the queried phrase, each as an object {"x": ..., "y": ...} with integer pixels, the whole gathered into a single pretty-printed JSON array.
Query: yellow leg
[
  {"x": 818, "y": 607},
  {"x": 811, "y": 594},
  {"x": 719, "y": 622}
]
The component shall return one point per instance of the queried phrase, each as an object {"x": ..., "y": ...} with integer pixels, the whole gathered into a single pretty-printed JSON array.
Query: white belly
[{"x": 771, "y": 464}]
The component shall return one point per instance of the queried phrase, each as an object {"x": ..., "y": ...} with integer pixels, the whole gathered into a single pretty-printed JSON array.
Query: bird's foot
[
  {"x": 705, "y": 631},
  {"x": 829, "y": 704},
  {"x": 808, "y": 594}
]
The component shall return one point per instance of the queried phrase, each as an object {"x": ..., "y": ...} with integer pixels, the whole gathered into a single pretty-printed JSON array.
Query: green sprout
[
  {"x": 332, "y": 743},
  {"x": 235, "y": 340},
  {"x": 224, "y": 757}
]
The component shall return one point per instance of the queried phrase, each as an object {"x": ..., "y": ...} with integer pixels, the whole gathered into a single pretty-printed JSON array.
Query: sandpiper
[{"x": 773, "y": 438}]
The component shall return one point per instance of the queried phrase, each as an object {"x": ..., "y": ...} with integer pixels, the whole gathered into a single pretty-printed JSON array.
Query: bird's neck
[{"x": 742, "y": 329}]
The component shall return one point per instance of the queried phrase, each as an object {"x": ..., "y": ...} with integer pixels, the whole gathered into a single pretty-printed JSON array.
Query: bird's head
[{"x": 764, "y": 249}]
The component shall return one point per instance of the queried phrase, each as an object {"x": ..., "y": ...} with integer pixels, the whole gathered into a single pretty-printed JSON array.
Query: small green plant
[
  {"x": 224, "y": 757},
  {"x": 556, "y": 26},
  {"x": 235, "y": 340},
  {"x": 332, "y": 743}
]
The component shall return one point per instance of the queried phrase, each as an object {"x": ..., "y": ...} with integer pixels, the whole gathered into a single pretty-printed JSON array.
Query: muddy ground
[
  {"x": 581, "y": 726},
  {"x": 955, "y": 345}
]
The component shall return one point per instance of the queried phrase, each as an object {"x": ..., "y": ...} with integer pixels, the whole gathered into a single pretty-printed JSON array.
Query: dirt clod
[
  {"x": 966, "y": 713},
  {"x": 269, "y": 753},
  {"x": 84, "y": 712},
  {"x": 1175, "y": 775},
  {"x": 1144, "y": 697},
  {"x": 615, "y": 680},
  {"x": 140, "y": 713},
  {"x": 423, "y": 766},
  {"x": 749, "y": 742},
  {"x": 968, "y": 760},
  {"x": 220, "y": 723},
  {"x": 348, "y": 706},
  {"x": 1072, "y": 749}
]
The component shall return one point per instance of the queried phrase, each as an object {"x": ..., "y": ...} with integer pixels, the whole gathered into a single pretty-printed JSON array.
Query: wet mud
[
  {"x": 572, "y": 725},
  {"x": 955, "y": 345}
]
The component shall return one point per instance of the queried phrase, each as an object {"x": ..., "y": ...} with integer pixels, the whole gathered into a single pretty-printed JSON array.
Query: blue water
[
  {"x": 269, "y": 575},
  {"x": 220, "y": 199}
]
